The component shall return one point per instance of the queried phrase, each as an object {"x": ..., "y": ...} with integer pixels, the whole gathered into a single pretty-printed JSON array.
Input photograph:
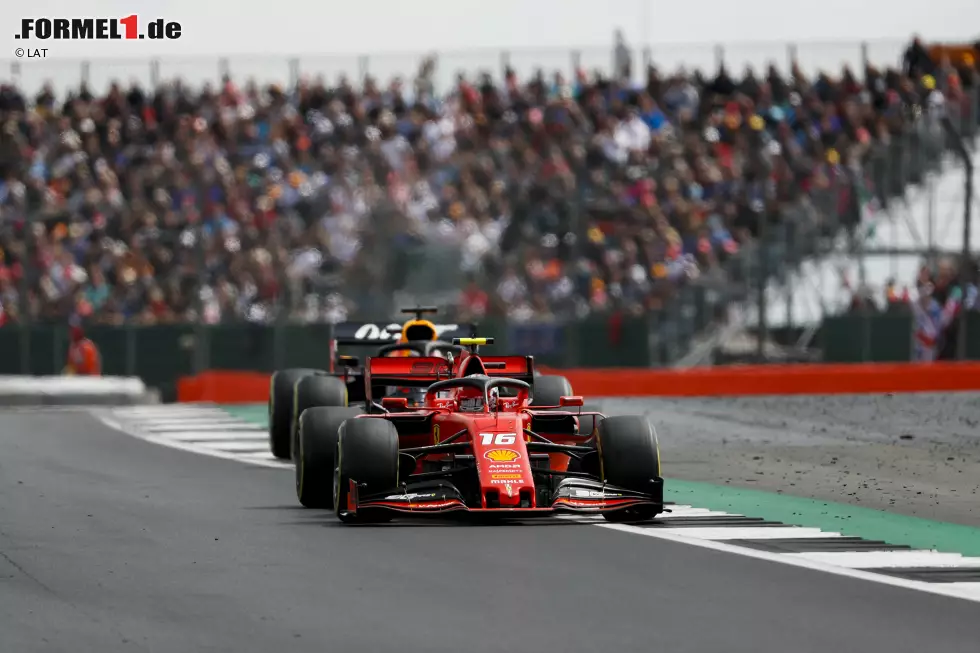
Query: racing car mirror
[
  {"x": 394, "y": 403},
  {"x": 566, "y": 402}
]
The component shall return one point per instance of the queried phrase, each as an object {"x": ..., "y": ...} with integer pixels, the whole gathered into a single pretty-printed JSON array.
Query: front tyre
[
  {"x": 367, "y": 453},
  {"x": 630, "y": 457},
  {"x": 316, "y": 453}
]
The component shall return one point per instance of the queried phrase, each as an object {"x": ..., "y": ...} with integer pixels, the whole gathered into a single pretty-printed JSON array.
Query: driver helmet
[
  {"x": 473, "y": 402},
  {"x": 494, "y": 396},
  {"x": 471, "y": 399}
]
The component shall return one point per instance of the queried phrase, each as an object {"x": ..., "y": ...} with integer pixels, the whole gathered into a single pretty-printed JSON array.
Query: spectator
[
  {"x": 916, "y": 61},
  {"x": 941, "y": 297},
  {"x": 562, "y": 197}
]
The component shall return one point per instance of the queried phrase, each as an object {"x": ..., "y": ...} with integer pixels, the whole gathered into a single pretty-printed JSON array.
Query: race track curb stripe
[{"x": 209, "y": 430}]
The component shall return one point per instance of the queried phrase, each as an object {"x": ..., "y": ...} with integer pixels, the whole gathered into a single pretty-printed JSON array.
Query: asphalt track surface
[{"x": 109, "y": 543}]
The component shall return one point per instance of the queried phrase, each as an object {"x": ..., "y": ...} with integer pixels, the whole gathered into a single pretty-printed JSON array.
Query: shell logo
[{"x": 501, "y": 455}]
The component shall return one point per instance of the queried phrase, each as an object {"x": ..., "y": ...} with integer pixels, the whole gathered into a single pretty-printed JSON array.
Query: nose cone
[{"x": 501, "y": 459}]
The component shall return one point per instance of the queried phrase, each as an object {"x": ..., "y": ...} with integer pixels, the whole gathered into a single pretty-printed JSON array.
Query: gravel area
[{"x": 914, "y": 454}]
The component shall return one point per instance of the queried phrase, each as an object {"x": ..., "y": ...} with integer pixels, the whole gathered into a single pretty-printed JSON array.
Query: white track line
[
  {"x": 179, "y": 428},
  {"x": 255, "y": 446},
  {"x": 219, "y": 436},
  {"x": 162, "y": 411},
  {"x": 748, "y": 532},
  {"x": 968, "y": 590},
  {"x": 676, "y": 535},
  {"x": 193, "y": 448},
  {"x": 186, "y": 419},
  {"x": 688, "y": 511},
  {"x": 873, "y": 559}
]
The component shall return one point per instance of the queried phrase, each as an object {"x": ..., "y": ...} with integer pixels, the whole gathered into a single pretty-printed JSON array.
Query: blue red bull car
[{"x": 476, "y": 444}]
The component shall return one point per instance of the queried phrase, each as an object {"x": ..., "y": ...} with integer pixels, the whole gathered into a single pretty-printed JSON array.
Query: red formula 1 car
[{"x": 474, "y": 445}]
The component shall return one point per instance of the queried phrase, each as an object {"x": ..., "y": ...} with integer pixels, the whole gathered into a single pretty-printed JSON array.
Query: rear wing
[
  {"x": 419, "y": 372},
  {"x": 376, "y": 333},
  {"x": 423, "y": 371},
  {"x": 373, "y": 334},
  {"x": 514, "y": 367}
]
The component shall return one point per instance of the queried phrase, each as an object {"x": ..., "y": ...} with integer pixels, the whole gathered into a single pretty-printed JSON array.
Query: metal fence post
[
  {"x": 363, "y": 68},
  {"x": 131, "y": 366}
]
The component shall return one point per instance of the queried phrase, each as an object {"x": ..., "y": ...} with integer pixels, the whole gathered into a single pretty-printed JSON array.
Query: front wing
[{"x": 573, "y": 495}]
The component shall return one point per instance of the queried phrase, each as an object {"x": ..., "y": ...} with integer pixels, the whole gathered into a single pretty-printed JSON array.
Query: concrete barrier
[{"x": 74, "y": 391}]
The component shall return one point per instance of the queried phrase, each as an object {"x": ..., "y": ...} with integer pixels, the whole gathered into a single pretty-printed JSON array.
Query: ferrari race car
[
  {"x": 475, "y": 445},
  {"x": 292, "y": 391}
]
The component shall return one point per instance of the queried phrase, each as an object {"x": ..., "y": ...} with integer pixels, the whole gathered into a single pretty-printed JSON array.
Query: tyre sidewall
[
  {"x": 315, "y": 390},
  {"x": 318, "y": 430},
  {"x": 628, "y": 452},
  {"x": 281, "y": 387},
  {"x": 367, "y": 452}
]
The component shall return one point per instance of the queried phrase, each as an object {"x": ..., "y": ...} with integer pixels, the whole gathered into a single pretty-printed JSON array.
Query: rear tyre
[
  {"x": 630, "y": 457},
  {"x": 316, "y": 453},
  {"x": 549, "y": 388},
  {"x": 312, "y": 391},
  {"x": 367, "y": 452},
  {"x": 281, "y": 409}
]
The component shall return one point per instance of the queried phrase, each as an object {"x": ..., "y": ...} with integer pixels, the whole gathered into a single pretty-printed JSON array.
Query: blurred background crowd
[{"x": 549, "y": 197}]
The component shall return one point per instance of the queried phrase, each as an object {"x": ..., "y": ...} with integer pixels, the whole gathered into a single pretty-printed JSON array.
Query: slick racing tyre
[
  {"x": 318, "y": 430},
  {"x": 630, "y": 458},
  {"x": 281, "y": 410},
  {"x": 549, "y": 388},
  {"x": 315, "y": 390},
  {"x": 367, "y": 452}
]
